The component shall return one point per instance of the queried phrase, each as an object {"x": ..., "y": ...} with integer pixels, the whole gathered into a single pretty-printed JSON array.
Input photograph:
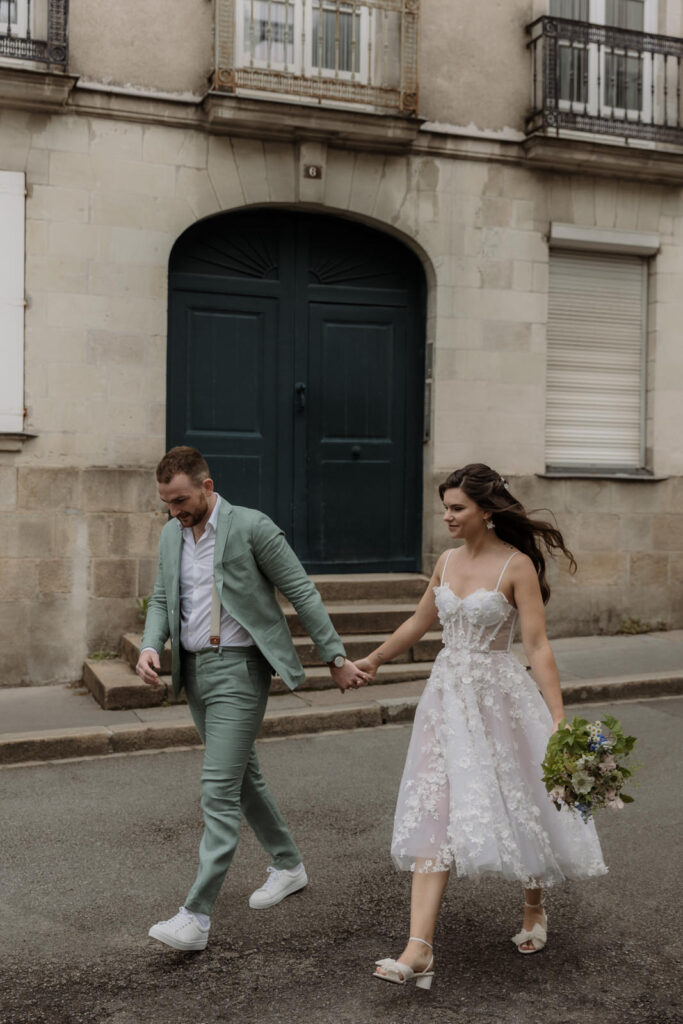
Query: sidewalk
[{"x": 50, "y": 722}]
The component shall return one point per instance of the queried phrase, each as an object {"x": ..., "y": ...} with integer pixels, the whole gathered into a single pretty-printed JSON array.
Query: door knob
[
  {"x": 300, "y": 393},
  {"x": 355, "y": 451}
]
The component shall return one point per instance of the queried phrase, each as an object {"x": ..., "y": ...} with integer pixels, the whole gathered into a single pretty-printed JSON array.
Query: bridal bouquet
[{"x": 584, "y": 767}]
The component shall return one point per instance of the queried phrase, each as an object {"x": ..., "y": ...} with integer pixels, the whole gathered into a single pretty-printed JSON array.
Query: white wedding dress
[{"x": 472, "y": 798}]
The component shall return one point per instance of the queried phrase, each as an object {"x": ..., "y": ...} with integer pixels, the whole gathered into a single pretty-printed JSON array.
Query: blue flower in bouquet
[{"x": 584, "y": 810}]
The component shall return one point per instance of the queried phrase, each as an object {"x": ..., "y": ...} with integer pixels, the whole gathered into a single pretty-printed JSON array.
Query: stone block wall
[
  {"x": 76, "y": 550},
  {"x": 627, "y": 538},
  {"x": 108, "y": 197}
]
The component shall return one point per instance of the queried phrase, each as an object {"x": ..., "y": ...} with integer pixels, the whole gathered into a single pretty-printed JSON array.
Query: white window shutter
[
  {"x": 595, "y": 366},
  {"x": 12, "y": 204}
]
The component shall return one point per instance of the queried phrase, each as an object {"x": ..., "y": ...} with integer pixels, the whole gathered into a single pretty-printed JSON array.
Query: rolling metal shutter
[{"x": 595, "y": 366}]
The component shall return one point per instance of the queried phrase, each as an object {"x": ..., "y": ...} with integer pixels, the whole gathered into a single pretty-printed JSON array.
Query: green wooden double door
[{"x": 296, "y": 365}]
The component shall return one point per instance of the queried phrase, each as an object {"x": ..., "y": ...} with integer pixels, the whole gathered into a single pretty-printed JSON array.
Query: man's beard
[{"x": 188, "y": 519}]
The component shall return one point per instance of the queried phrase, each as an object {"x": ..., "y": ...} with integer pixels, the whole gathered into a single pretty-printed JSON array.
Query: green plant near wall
[
  {"x": 633, "y": 626},
  {"x": 143, "y": 605}
]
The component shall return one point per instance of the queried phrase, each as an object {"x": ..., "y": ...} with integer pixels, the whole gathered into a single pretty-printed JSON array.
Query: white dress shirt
[{"x": 196, "y": 583}]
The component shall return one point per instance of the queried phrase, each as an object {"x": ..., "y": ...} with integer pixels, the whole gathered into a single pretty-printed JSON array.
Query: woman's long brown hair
[{"x": 512, "y": 523}]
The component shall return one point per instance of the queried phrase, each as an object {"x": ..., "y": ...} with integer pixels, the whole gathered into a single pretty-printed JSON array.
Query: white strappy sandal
[
  {"x": 537, "y": 936},
  {"x": 399, "y": 973}
]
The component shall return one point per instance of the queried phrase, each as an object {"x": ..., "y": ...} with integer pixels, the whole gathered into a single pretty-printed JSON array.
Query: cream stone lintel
[{"x": 628, "y": 243}]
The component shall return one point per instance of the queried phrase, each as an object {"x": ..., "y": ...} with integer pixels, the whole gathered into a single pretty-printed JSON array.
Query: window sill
[
  {"x": 590, "y": 155},
  {"x": 640, "y": 476},
  {"x": 13, "y": 442}
]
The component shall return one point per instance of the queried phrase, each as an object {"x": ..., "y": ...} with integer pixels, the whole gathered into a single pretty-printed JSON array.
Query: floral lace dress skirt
[{"x": 472, "y": 798}]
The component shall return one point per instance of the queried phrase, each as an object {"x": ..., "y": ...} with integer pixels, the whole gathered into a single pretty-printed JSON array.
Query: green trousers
[{"x": 227, "y": 691}]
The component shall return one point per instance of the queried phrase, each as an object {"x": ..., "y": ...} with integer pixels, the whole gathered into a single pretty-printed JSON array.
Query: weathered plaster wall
[
  {"x": 458, "y": 41},
  {"x": 158, "y": 45}
]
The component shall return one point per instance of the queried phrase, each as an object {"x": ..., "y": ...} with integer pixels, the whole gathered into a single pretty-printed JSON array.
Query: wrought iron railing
[
  {"x": 34, "y": 30},
  {"x": 604, "y": 80},
  {"x": 334, "y": 52}
]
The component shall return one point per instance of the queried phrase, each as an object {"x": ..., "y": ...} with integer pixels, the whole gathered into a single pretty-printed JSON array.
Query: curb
[{"x": 57, "y": 744}]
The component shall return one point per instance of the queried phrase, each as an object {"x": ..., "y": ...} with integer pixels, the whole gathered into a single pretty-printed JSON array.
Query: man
[{"x": 214, "y": 596}]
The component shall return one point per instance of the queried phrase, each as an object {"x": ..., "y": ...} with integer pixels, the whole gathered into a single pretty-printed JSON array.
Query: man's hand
[
  {"x": 349, "y": 676},
  {"x": 147, "y": 663}
]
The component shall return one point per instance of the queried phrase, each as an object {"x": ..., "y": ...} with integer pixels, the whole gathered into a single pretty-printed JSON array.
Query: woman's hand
[
  {"x": 557, "y": 722},
  {"x": 367, "y": 666}
]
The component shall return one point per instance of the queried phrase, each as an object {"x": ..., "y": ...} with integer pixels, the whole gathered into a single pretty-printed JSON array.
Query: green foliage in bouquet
[{"x": 584, "y": 767}]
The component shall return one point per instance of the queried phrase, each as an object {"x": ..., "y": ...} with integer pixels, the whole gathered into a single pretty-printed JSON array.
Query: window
[
  {"x": 624, "y": 71},
  {"x": 327, "y": 38},
  {"x": 14, "y": 18},
  {"x": 268, "y": 31},
  {"x": 596, "y": 361},
  {"x": 601, "y": 78},
  {"x": 335, "y": 37}
]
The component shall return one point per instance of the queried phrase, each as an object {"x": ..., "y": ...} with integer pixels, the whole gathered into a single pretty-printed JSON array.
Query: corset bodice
[{"x": 482, "y": 621}]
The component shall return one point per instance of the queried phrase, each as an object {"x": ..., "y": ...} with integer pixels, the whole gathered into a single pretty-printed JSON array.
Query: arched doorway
[{"x": 296, "y": 365}]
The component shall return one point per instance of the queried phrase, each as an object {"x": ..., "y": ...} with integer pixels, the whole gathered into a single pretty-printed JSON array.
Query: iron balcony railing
[
  {"x": 333, "y": 52},
  {"x": 34, "y": 30},
  {"x": 605, "y": 80}
]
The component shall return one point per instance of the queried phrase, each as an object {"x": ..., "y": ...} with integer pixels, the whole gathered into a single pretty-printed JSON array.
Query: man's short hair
[{"x": 183, "y": 459}]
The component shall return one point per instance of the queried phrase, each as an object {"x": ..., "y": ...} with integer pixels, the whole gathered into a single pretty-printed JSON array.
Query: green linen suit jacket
[{"x": 251, "y": 558}]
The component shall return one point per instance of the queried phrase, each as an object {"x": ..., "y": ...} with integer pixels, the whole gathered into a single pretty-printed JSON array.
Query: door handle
[
  {"x": 300, "y": 393},
  {"x": 355, "y": 451}
]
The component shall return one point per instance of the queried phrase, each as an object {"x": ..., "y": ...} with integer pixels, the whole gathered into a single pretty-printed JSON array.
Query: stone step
[
  {"x": 377, "y": 586},
  {"x": 356, "y": 617},
  {"x": 130, "y": 652},
  {"x": 364, "y": 608},
  {"x": 357, "y": 646},
  {"x": 115, "y": 686},
  {"x": 319, "y": 678}
]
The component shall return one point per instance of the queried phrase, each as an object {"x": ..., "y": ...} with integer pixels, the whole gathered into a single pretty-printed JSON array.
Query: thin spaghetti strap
[
  {"x": 502, "y": 572},
  {"x": 443, "y": 571}
]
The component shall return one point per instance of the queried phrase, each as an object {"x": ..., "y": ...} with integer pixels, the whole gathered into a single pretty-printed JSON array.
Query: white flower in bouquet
[{"x": 582, "y": 782}]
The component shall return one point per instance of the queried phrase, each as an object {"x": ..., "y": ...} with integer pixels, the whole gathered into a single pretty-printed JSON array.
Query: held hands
[
  {"x": 349, "y": 676},
  {"x": 354, "y": 674},
  {"x": 367, "y": 666},
  {"x": 145, "y": 668}
]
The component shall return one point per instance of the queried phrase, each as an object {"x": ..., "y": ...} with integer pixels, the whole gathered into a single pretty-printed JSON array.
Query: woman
[{"x": 472, "y": 798}]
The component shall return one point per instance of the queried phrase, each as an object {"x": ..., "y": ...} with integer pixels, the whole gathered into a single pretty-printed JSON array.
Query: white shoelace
[
  {"x": 274, "y": 875},
  {"x": 185, "y": 916},
  {"x": 272, "y": 878},
  {"x": 182, "y": 917}
]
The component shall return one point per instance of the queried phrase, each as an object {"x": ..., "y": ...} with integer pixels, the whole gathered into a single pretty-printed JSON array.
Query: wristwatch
[{"x": 339, "y": 661}]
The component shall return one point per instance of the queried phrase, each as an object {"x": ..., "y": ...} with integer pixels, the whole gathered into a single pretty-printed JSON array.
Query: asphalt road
[{"x": 94, "y": 851}]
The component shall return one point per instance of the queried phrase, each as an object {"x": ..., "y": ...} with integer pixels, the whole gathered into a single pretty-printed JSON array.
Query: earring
[{"x": 489, "y": 524}]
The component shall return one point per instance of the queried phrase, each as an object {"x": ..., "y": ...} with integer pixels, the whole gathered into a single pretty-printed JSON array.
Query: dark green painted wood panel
[{"x": 296, "y": 364}]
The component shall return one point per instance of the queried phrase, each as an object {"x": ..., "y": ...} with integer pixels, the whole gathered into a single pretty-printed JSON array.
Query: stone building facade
[{"x": 122, "y": 147}]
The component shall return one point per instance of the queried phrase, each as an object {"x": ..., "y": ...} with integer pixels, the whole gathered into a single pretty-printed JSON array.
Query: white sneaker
[
  {"x": 181, "y": 932},
  {"x": 277, "y": 885}
]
